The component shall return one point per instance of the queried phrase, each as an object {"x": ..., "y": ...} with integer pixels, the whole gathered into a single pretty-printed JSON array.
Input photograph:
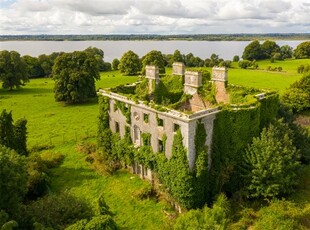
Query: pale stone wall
[
  {"x": 186, "y": 123},
  {"x": 152, "y": 74},
  {"x": 193, "y": 80},
  {"x": 220, "y": 79},
  {"x": 178, "y": 68}
]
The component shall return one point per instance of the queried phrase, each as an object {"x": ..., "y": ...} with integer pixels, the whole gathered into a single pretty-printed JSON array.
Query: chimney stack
[
  {"x": 152, "y": 74},
  {"x": 220, "y": 79},
  {"x": 192, "y": 81}
]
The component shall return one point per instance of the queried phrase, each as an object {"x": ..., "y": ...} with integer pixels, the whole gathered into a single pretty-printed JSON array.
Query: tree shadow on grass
[
  {"x": 25, "y": 91},
  {"x": 65, "y": 178}
]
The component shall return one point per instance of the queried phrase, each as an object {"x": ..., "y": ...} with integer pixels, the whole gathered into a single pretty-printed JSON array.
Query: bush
[
  {"x": 281, "y": 214},
  {"x": 54, "y": 211}
]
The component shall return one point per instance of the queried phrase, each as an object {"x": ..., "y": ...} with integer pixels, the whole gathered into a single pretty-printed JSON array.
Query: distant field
[{"x": 262, "y": 78}]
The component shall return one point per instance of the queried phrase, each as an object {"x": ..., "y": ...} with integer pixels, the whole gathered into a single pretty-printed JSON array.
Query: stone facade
[
  {"x": 171, "y": 122},
  {"x": 160, "y": 123},
  {"x": 178, "y": 68}
]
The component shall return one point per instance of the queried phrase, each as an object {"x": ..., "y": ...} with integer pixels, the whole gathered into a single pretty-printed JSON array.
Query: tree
[
  {"x": 253, "y": 51},
  {"x": 154, "y": 57},
  {"x": 286, "y": 51},
  {"x": 13, "y": 179},
  {"x": 271, "y": 163},
  {"x": 302, "y": 50},
  {"x": 34, "y": 68},
  {"x": 298, "y": 95},
  {"x": 47, "y": 61},
  {"x": 13, "y": 136},
  {"x": 98, "y": 54},
  {"x": 130, "y": 63},
  {"x": 13, "y": 70},
  {"x": 75, "y": 74},
  {"x": 236, "y": 58},
  {"x": 115, "y": 64},
  {"x": 177, "y": 56},
  {"x": 269, "y": 48}
]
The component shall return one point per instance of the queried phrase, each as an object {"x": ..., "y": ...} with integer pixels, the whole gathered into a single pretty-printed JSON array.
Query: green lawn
[{"x": 263, "y": 79}]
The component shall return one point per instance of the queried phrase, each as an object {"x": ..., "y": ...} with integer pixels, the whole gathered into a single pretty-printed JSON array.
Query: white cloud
[{"x": 153, "y": 16}]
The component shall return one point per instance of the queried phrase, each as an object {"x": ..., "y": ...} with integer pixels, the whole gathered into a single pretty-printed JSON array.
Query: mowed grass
[
  {"x": 263, "y": 79},
  {"x": 63, "y": 126}
]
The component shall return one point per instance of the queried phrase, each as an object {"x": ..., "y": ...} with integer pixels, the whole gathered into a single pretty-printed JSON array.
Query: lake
[{"x": 115, "y": 49}]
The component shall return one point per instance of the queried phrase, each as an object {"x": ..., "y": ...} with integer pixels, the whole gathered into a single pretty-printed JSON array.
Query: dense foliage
[
  {"x": 75, "y": 74},
  {"x": 302, "y": 50},
  {"x": 207, "y": 218},
  {"x": 233, "y": 130},
  {"x": 13, "y": 70},
  {"x": 156, "y": 58},
  {"x": 13, "y": 136},
  {"x": 130, "y": 63},
  {"x": 13, "y": 179},
  {"x": 297, "y": 96},
  {"x": 271, "y": 163}
]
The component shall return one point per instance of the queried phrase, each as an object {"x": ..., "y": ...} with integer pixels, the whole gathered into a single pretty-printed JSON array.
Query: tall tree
[
  {"x": 13, "y": 70},
  {"x": 269, "y": 48},
  {"x": 302, "y": 50},
  {"x": 13, "y": 136},
  {"x": 286, "y": 51},
  {"x": 253, "y": 51},
  {"x": 99, "y": 55},
  {"x": 75, "y": 74},
  {"x": 154, "y": 57},
  {"x": 177, "y": 56},
  {"x": 271, "y": 163},
  {"x": 130, "y": 63},
  {"x": 115, "y": 64}
]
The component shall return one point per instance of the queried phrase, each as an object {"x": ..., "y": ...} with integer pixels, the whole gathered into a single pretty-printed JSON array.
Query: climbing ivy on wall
[
  {"x": 126, "y": 110},
  {"x": 233, "y": 131},
  {"x": 104, "y": 133}
]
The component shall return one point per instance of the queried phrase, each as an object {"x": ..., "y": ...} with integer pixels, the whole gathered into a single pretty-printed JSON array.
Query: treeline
[{"x": 195, "y": 37}]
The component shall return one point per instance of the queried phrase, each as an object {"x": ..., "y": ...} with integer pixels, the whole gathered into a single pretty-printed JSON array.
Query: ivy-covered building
[{"x": 151, "y": 112}]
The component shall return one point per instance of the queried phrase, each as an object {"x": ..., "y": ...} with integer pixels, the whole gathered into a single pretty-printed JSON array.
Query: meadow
[{"x": 64, "y": 126}]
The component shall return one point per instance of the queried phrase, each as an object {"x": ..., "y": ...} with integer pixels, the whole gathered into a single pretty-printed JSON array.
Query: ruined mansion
[{"x": 163, "y": 124}]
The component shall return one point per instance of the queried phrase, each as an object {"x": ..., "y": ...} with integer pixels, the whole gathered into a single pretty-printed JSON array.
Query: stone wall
[
  {"x": 172, "y": 121},
  {"x": 178, "y": 68}
]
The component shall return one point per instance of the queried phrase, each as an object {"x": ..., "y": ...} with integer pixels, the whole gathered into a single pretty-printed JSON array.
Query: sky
[{"x": 35, "y": 17}]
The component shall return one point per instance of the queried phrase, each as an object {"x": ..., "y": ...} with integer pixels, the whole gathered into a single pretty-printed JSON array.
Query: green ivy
[
  {"x": 234, "y": 129},
  {"x": 126, "y": 111}
]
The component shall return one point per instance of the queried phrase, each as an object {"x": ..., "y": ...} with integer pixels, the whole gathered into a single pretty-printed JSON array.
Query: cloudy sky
[{"x": 153, "y": 16}]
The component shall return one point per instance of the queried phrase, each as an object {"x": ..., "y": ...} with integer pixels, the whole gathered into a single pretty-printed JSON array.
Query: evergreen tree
[{"x": 20, "y": 136}]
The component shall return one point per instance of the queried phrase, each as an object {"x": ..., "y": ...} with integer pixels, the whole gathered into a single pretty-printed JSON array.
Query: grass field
[{"x": 63, "y": 126}]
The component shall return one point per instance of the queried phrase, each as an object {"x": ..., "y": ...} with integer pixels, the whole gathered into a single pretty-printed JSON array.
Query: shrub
[{"x": 54, "y": 211}]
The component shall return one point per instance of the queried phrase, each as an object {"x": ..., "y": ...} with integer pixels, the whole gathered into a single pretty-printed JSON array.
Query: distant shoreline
[{"x": 154, "y": 37}]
